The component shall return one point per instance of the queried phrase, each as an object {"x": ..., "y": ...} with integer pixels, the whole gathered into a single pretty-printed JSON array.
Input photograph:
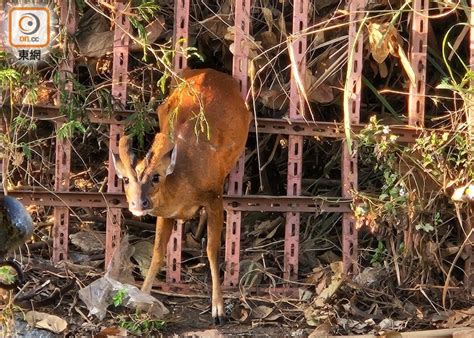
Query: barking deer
[{"x": 203, "y": 130}]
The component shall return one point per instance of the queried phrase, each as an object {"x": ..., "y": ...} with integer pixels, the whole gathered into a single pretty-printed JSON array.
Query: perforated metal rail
[
  {"x": 469, "y": 279},
  {"x": 239, "y": 70},
  {"x": 181, "y": 23},
  {"x": 67, "y": 20},
  {"x": 349, "y": 160},
  {"x": 119, "y": 92}
]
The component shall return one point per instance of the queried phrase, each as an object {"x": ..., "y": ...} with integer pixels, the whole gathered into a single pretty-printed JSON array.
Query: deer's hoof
[{"x": 218, "y": 320}]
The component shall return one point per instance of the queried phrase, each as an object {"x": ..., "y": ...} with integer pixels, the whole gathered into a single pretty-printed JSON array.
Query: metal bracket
[
  {"x": 119, "y": 91},
  {"x": 181, "y": 23},
  {"x": 416, "y": 99},
  {"x": 240, "y": 72},
  {"x": 469, "y": 265},
  {"x": 317, "y": 129},
  {"x": 255, "y": 203},
  {"x": 349, "y": 161},
  {"x": 62, "y": 169},
  {"x": 180, "y": 33},
  {"x": 295, "y": 143},
  {"x": 419, "y": 42}
]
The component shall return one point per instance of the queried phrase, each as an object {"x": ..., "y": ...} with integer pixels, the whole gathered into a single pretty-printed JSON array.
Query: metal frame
[
  {"x": 292, "y": 204},
  {"x": 119, "y": 92},
  {"x": 258, "y": 203},
  {"x": 67, "y": 19},
  {"x": 317, "y": 129}
]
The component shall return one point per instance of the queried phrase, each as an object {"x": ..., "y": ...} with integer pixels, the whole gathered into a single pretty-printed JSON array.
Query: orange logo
[{"x": 29, "y": 27}]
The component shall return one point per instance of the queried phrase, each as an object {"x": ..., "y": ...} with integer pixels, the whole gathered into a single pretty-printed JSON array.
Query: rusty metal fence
[{"x": 235, "y": 202}]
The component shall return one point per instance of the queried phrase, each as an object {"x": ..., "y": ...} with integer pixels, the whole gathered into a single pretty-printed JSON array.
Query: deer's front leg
[
  {"x": 215, "y": 222},
  {"x": 164, "y": 226}
]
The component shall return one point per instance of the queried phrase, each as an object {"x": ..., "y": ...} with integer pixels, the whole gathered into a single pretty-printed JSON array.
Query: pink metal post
[
  {"x": 295, "y": 143},
  {"x": 419, "y": 39},
  {"x": 349, "y": 161},
  {"x": 416, "y": 99},
  {"x": 2, "y": 123},
  {"x": 62, "y": 169},
  {"x": 181, "y": 24},
  {"x": 469, "y": 266},
  {"x": 119, "y": 91},
  {"x": 239, "y": 70}
]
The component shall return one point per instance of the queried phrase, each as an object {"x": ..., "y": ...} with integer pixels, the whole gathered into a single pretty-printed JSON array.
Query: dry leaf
[
  {"x": 305, "y": 295},
  {"x": 314, "y": 317},
  {"x": 274, "y": 99},
  {"x": 95, "y": 40},
  {"x": 261, "y": 312},
  {"x": 46, "y": 321},
  {"x": 319, "y": 94},
  {"x": 322, "y": 94},
  {"x": 390, "y": 324},
  {"x": 321, "y": 331},
  {"x": 112, "y": 332},
  {"x": 460, "y": 318},
  {"x": 268, "y": 16},
  {"x": 17, "y": 158},
  {"x": 336, "y": 281},
  {"x": 282, "y": 25},
  {"x": 142, "y": 254},
  {"x": 88, "y": 241},
  {"x": 369, "y": 276},
  {"x": 329, "y": 257},
  {"x": 249, "y": 42},
  {"x": 268, "y": 39},
  {"x": 240, "y": 313},
  {"x": 273, "y": 317},
  {"x": 383, "y": 40},
  {"x": 215, "y": 26},
  {"x": 383, "y": 70},
  {"x": 378, "y": 44}
]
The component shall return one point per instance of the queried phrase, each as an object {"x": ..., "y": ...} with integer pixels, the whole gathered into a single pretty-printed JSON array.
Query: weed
[
  {"x": 119, "y": 296},
  {"x": 6, "y": 275},
  {"x": 377, "y": 257},
  {"x": 140, "y": 121},
  {"x": 141, "y": 324}
]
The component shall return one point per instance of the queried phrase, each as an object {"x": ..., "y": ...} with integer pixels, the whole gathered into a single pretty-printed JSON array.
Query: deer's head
[{"x": 143, "y": 180}]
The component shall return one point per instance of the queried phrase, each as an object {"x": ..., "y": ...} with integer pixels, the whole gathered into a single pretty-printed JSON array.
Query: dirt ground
[{"x": 54, "y": 290}]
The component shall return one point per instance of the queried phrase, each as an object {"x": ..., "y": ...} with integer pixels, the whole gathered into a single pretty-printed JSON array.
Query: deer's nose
[{"x": 145, "y": 203}]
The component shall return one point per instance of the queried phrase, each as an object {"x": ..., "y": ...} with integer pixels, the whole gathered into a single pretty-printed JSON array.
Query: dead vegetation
[{"x": 413, "y": 204}]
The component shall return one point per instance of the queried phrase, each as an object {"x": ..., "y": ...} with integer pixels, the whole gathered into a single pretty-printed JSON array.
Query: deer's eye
[
  {"x": 155, "y": 178},
  {"x": 126, "y": 180}
]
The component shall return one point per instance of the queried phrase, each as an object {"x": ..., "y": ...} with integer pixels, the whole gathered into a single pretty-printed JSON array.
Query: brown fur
[{"x": 191, "y": 168}]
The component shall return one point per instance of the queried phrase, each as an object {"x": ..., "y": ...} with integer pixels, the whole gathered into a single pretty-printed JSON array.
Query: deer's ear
[
  {"x": 119, "y": 166},
  {"x": 172, "y": 164}
]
